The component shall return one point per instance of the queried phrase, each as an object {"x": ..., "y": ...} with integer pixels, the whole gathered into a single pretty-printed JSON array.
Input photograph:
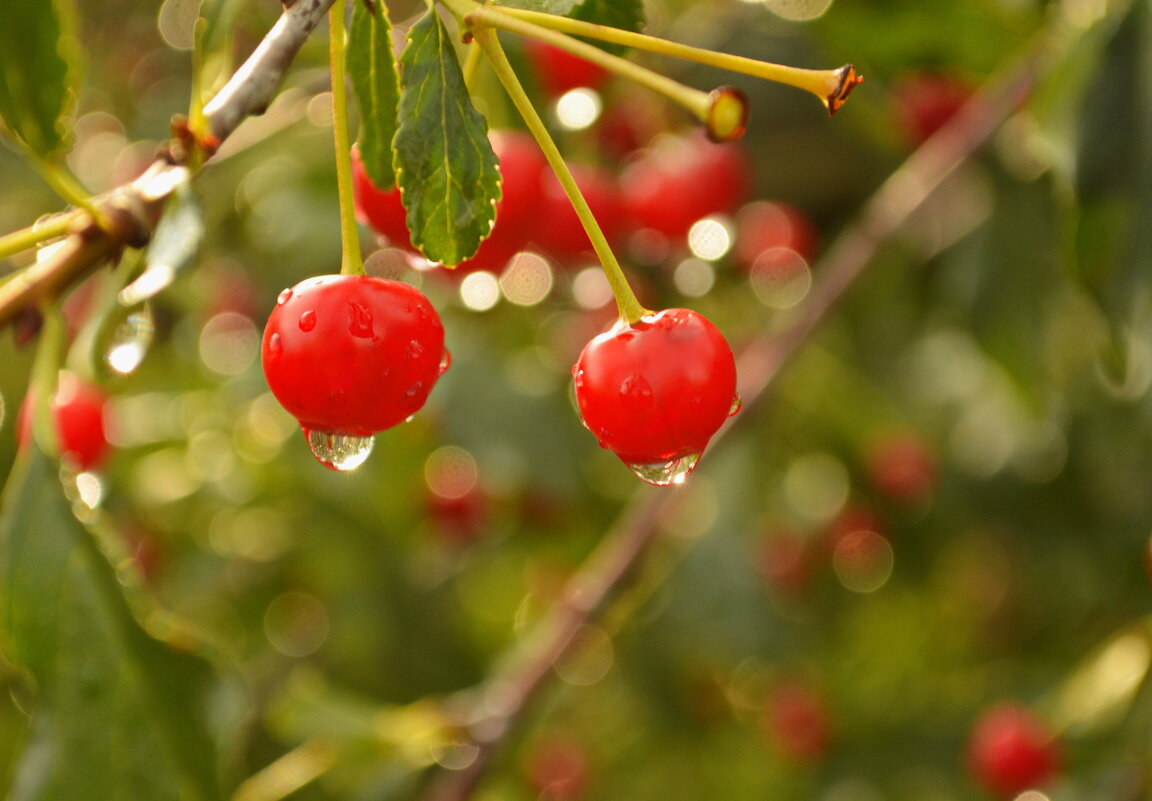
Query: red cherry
[
  {"x": 522, "y": 166},
  {"x": 655, "y": 392},
  {"x": 797, "y": 720},
  {"x": 351, "y": 355},
  {"x": 1010, "y": 751},
  {"x": 557, "y": 768},
  {"x": 560, "y": 232},
  {"x": 902, "y": 467},
  {"x": 78, "y": 412},
  {"x": 560, "y": 71},
  {"x": 682, "y": 179},
  {"x": 381, "y": 209},
  {"x": 925, "y": 102},
  {"x": 766, "y": 224}
]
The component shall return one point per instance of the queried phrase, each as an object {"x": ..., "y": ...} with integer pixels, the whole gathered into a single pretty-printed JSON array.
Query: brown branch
[
  {"x": 506, "y": 697},
  {"x": 133, "y": 210}
]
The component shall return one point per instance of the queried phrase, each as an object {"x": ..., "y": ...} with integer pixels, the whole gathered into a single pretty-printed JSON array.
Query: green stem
[
  {"x": 45, "y": 371},
  {"x": 25, "y": 238},
  {"x": 629, "y": 306},
  {"x": 65, "y": 185},
  {"x": 698, "y": 103},
  {"x": 830, "y": 86},
  {"x": 351, "y": 262},
  {"x": 471, "y": 63}
]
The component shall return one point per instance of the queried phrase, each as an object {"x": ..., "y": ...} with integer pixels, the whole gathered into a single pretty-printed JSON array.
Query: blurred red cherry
[
  {"x": 78, "y": 412},
  {"x": 902, "y": 467},
  {"x": 765, "y": 224},
  {"x": 796, "y": 719},
  {"x": 560, "y": 71},
  {"x": 926, "y": 101},
  {"x": 1010, "y": 751},
  {"x": 682, "y": 179},
  {"x": 560, "y": 232},
  {"x": 557, "y": 769}
]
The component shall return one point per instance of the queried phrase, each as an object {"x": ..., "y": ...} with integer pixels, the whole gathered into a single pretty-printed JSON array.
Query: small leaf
[
  {"x": 627, "y": 15},
  {"x": 372, "y": 70},
  {"x": 560, "y": 7},
  {"x": 445, "y": 165},
  {"x": 116, "y": 713},
  {"x": 38, "y": 57}
]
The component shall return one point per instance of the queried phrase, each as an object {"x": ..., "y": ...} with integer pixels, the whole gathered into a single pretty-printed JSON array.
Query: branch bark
[
  {"x": 524, "y": 674},
  {"x": 133, "y": 210}
]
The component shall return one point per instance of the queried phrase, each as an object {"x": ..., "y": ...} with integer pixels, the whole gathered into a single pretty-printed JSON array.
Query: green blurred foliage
[{"x": 1005, "y": 334}]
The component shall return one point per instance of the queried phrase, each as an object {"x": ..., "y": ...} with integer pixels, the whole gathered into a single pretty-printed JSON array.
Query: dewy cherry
[
  {"x": 654, "y": 392},
  {"x": 349, "y": 356}
]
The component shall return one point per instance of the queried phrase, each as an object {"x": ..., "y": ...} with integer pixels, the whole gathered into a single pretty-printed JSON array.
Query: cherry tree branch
[
  {"x": 132, "y": 211},
  {"x": 525, "y": 672}
]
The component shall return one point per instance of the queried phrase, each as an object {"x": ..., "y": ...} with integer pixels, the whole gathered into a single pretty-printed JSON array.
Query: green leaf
[
  {"x": 445, "y": 165},
  {"x": 627, "y": 15},
  {"x": 560, "y": 7},
  {"x": 1110, "y": 222},
  {"x": 372, "y": 70},
  {"x": 38, "y": 59},
  {"x": 116, "y": 714}
]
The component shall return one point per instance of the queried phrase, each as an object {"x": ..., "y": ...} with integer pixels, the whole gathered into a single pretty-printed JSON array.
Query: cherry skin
[
  {"x": 383, "y": 210},
  {"x": 560, "y": 71},
  {"x": 681, "y": 179},
  {"x": 78, "y": 413},
  {"x": 351, "y": 355},
  {"x": 655, "y": 392},
  {"x": 1010, "y": 751}
]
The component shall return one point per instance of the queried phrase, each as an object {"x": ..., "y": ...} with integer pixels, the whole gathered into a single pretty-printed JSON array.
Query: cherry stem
[
  {"x": 698, "y": 103},
  {"x": 626, "y": 302},
  {"x": 65, "y": 185},
  {"x": 832, "y": 87},
  {"x": 351, "y": 262},
  {"x": 45, "y": 374},
  {"x": 25, "y": 238}
]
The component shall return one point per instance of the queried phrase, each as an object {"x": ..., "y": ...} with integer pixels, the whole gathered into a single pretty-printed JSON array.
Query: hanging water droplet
[
  {"x": 360, "y": 321},
  {"x": 308, "y": 320},
  {"x": 130, "y": 341},
  {"x": 410, "y": 418},
  {"x": 737, "y": 404},
  {"x": 338, "y": 451},
  {"x": 445, "y": 361},
  {"x": 665, "y": 474},
  {"x": 275, "y": 346},
  {"x": 414, "y": 350},
  {"x": 284, "y": 296}
]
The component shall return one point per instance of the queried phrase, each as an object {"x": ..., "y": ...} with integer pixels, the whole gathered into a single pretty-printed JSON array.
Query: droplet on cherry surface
[
  {"x": 337, "y": 451},
  {"x": 666, "y": 474}
]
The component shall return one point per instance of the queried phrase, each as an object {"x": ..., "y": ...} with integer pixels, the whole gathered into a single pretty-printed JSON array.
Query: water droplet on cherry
[
  {"x": 284, "y": 296},
  {"x": 308, "y": 320},
  {"x": 337, "y": 451},
  {"x": 445, "y": 361},
  {"x": 636, "y": 391},
  {"x": 414, "y": 390},
  {"x": 737, "y": 404},
  {"x": 360, "y": 321},
  {"x": 414, "y": 350},
  {"x": 666, "y": 474},
  {"x": 275, "y": 346}
]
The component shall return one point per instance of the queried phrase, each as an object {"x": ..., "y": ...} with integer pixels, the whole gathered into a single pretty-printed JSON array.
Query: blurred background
[{"x": 941, "y": 506}]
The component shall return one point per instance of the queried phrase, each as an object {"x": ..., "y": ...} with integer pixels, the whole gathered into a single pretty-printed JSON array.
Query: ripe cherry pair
[{"x": 351, "y": 355}]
